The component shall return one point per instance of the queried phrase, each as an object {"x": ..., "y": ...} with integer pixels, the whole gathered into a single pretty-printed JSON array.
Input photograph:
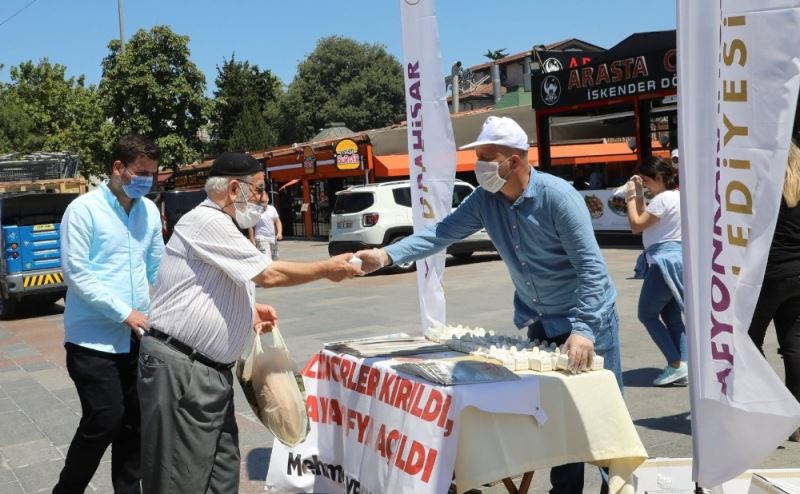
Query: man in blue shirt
[
  {"x": 111, "y": 245},
  {"x": 541, "y": 228}
]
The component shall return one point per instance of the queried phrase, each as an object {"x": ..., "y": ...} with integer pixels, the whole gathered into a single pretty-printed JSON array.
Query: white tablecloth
[{"x": 587, "y": 421}]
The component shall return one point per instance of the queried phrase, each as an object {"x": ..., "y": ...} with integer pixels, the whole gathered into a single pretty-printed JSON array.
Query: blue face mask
[{"x": 138, "y": 187}]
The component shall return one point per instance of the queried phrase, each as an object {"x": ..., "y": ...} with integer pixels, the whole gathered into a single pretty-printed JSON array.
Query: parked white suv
[{"x": 375, "y": 215}]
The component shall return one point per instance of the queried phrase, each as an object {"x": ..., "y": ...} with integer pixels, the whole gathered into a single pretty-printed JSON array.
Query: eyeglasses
[{"x": 261, "y": 189}]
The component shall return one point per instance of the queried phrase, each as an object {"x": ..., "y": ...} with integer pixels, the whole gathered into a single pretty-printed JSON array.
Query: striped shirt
[{"x": 204, "y": 294}]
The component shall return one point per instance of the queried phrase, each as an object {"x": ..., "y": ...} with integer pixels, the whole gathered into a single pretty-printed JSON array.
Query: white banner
[
  {"x": 374, "y": 431},
  {"x": 431, "y": 146},
  {"x": 739, "y": 75},
  {"x": 371, "y": 432}
]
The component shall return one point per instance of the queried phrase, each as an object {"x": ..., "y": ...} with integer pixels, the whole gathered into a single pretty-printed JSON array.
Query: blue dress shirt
[
  {"x": 546, "y": 239},
  {"x": 108, "y": 258}
]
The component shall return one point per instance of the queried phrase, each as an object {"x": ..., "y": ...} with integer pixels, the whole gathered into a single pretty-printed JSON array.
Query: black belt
[{"x": 187, "y": 350}]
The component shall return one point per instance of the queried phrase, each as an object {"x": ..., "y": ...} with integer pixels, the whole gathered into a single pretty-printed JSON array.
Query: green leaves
[
  {"x": 342, "y": 80},
  {"x": 495, "y": 54},
  {"x": 251, "y": 132},
  {"x": 43, "y": 110},
  {"x": 153, "y": 88},
  {"x": 244, "y": 110}
]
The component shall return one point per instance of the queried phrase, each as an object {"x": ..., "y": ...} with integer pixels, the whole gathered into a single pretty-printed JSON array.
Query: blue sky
[{"x": 278, "y": 34}]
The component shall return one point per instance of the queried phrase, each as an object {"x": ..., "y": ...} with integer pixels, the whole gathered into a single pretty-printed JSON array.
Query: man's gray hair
[{"x": 218, "y": 185}]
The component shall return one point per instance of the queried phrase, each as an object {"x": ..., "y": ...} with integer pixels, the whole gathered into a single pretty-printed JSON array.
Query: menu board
[{"x": 608, "y": 211}]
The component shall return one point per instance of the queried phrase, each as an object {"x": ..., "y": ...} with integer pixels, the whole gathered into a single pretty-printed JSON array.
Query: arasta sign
[
  {"x": 553, "y": 61},
  {"x": 642, "y": 63}
]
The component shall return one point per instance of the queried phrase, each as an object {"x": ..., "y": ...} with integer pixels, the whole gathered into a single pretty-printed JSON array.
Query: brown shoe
[{"x": 795, "y": 437}]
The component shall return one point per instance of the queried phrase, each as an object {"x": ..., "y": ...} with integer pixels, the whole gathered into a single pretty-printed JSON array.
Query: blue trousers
[
  {"x": 568, "y": 479},
  {"x": 661, "y": 316}
]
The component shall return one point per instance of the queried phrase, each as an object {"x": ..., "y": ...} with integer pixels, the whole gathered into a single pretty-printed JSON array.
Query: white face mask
[
  {"x": 487, "y": 173},
  {"x": 250, "y": 214}
]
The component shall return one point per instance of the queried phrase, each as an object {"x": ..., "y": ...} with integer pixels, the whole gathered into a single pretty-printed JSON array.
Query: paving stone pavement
[{"x": 39, "y": 408}]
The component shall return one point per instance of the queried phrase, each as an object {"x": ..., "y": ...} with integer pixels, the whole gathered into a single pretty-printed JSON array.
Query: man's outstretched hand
[{"x": 372, "y": 259}]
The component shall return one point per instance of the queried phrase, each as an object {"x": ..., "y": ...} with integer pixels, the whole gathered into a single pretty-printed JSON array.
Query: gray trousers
[{"x": 190, "y": 442}]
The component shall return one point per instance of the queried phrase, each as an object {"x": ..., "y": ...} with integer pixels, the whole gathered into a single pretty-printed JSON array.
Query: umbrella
[{"x": 289, "y": 184}]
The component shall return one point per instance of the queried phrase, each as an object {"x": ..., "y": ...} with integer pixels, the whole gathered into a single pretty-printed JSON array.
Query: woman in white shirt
[{"x": 661, "y": 298}]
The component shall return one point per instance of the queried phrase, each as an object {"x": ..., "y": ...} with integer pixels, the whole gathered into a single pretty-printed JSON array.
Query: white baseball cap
[
  {"x": 674, "y": 153},
  {"x": 501, "y": 131}
]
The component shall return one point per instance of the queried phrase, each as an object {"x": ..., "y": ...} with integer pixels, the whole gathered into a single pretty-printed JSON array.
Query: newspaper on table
[
  {"x": 453, "y": 372},
  {"x": 395, "y": 344}
]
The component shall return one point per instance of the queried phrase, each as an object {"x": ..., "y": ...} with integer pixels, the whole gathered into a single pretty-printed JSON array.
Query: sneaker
[
  {"x": 795, "y": 437},
  {"x": 672, "y": 375}
]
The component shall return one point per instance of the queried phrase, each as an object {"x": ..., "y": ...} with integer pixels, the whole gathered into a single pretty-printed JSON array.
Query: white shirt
[
  {"x": 266, "y": 225},
  {"x": 666, "y": 206},
  {"x": 204, "y": 294}
]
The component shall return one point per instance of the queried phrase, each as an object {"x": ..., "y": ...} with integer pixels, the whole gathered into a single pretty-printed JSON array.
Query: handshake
[
  {"x": 346, "y": 266},
  {"x": 371, "y": 259}
]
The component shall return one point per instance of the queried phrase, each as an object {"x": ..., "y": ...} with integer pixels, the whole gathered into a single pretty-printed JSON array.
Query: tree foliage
[
  {"x": 495, "y": 54},
  {"x": 43, "y": 110},
  {"x": 153, "y": 88},
  {"x": 244, "y": 108},
  {"x": 342, "y": 80},
  {"x": 251, "y": 133},
  {"x": 16, "y": 125}
]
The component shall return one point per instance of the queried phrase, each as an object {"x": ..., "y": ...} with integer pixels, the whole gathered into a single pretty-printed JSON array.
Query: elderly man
[
  {"x": 110, "y": 249},
  {"x": 202, "y": 312},
  {"x": 543, "y": 232}
]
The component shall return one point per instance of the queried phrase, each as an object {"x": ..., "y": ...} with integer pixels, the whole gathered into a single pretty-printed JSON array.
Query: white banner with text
[
  {"x": 431, "y": 145},
  {"x": 375, "y": 431},
  {"x": 739, "y": 73}
]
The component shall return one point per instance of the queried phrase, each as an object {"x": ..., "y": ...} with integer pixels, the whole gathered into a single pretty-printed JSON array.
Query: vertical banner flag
[
  {"x": 431, "y": 146},
  {"x": 739, "y": 73}
]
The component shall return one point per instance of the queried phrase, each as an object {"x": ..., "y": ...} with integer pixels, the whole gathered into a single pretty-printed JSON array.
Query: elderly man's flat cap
[{"x": 235, "y": 165}]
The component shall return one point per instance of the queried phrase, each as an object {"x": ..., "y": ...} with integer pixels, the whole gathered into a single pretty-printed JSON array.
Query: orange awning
[
  {"x": 396, "y": 165},
  {"x": 588, "y": 154}
]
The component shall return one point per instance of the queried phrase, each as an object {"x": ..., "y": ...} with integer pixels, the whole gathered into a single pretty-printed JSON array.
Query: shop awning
[
  {"x": 396, "y": 165},
  {"x": 586, "y": 154}
]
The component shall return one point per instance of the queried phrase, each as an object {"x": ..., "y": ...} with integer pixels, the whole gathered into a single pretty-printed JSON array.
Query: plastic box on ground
[{"x": 674, "y": 476}]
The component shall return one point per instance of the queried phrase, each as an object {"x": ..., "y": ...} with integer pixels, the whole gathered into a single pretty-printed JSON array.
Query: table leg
[{"x": 524, "y": 484}]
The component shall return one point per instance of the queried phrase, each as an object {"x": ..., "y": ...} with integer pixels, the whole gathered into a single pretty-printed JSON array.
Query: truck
[{"x": 35, "y": 190}]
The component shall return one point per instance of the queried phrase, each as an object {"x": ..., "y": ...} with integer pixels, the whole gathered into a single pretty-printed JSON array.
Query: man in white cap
[
  {"x": 542, "y": 230},
  {"x": 674, "y": 156}
]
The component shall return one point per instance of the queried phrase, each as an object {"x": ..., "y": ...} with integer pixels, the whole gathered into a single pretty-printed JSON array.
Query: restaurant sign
[
  {"x": 309, "y": 161},
  {"x": 553, "y": 61},
  {"x": 643, "y": 63},
  {"x": 346, "y": 155},
  {"x": 184, "y": 179}
]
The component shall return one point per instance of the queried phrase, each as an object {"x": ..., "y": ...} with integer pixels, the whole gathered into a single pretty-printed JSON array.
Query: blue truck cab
[{"x": 30, "y": 239}]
